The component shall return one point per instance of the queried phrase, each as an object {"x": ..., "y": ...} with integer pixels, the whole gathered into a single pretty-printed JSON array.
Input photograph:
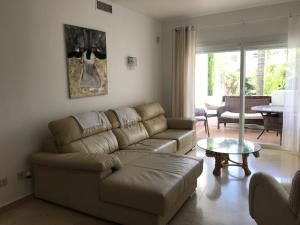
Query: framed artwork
[{"x": 86, "y": 61}]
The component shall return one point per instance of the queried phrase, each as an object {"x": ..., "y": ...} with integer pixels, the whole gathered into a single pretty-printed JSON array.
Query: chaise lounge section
[{"x": 131, "y": 174}]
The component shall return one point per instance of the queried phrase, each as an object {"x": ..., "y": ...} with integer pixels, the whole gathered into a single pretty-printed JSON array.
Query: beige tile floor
[{"x": 218, "y": 201}]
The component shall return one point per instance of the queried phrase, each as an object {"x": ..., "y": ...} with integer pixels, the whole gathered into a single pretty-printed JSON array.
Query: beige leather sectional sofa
[{"x": 127, "y": 174}]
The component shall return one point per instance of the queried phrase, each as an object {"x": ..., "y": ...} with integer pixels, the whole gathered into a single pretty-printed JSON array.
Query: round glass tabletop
[{"x": 228, "y": 146}]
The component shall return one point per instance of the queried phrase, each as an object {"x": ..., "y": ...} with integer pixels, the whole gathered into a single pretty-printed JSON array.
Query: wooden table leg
[
  {"x": 256, "y": 154},
  {"x": 225, "y": 159},
  {"x": 218, "y": 164},
  {"x": 245, "y": 164}
]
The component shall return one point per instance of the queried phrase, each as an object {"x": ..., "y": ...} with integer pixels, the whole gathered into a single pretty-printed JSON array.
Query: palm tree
[
  {"x": 211, "y": 73},
  {"x": 260, "y": 72}
]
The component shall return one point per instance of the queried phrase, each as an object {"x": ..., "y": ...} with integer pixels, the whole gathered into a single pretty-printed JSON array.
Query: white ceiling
[{"x": 174, "y": 9}]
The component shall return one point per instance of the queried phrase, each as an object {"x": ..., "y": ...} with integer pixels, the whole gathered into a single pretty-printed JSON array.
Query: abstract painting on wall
[{"x": 86, "y": 61}]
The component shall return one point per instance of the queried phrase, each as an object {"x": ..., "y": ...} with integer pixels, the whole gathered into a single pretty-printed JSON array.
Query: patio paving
[{"x": 232, "y": 130}]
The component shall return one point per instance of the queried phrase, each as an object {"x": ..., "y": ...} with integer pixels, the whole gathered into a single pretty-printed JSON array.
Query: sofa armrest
[
  {"x": 221, "y": 109},
  {"x": 181, "y": 123},
  {"x": 268, "y": 201},
  {"x": 211, "y": 107},
  {"x": 77, "y": 161},
  {"x": 294, "y": 197}
]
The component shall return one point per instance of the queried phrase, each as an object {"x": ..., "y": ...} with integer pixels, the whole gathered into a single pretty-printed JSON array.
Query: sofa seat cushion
[
  {"x": 249, "y": 116},
  {"x": 128, "y": 156},
  {"x": 152, "y": 183},
  {"x": 211, "y": 112},
  {"x": 183, "y": 137},
  {"x": 155, "y": 145}
]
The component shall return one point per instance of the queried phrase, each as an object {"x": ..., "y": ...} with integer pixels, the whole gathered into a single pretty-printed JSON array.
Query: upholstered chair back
[{"x": 232, "y": 103}]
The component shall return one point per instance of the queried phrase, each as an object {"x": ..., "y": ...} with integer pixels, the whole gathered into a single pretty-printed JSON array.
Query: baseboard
[{"x": 15, "y": 203}]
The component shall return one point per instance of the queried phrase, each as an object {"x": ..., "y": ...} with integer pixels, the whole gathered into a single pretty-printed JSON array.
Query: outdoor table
[{"x": 270, "y": 110}]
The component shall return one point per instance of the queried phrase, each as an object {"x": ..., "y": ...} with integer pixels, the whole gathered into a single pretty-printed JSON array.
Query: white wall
[
  {"x": 33, "y": 80},
  {"x": 255, "y": 25}
]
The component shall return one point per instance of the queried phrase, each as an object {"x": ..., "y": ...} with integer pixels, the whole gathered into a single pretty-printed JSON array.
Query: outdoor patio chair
[
  {"x": 272, "y": 122},
  {"x": 201, "y": 115},
  {"x": 211, "y": 110},
  {"x": 230, "y": 112}
]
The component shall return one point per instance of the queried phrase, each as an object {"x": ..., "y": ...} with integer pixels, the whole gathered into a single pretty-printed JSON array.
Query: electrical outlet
[{"x": 3, "y": 182}]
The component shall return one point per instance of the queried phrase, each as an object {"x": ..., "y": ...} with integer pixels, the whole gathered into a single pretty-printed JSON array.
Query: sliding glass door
[
  {"x": 218, "y": 78},
  {"x": 255, "y": 75},
  {"x": 264, "y": 84}
]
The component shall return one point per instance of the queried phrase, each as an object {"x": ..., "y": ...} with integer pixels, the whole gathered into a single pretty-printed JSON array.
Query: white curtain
[
  {"x": 291, "y": 116},
  {"x": 183, "y": 74}
]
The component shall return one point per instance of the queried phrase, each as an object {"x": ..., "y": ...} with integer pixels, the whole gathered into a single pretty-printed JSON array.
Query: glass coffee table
[{"x": 221, "y": 148}]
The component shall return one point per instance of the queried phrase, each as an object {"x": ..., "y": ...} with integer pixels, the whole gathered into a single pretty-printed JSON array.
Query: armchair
[{"x": 271, "y": 204}]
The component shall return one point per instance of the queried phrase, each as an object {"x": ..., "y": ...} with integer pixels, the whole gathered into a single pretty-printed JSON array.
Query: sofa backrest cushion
[
  {"x": 150, "y": 110},
  {"x": 65, "y": 130},
  {"x": 69, "y": 137},
  {"x": 153, "y": 117},
  {"x": 104, "y": 142},
  {"x": 130, "y": 135},
  {"x": 156, "y": 125},
  {"x": 111, "y": 116},
  {"x": 126, "y": 135},
  {"x": 127, "y": 116}
]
